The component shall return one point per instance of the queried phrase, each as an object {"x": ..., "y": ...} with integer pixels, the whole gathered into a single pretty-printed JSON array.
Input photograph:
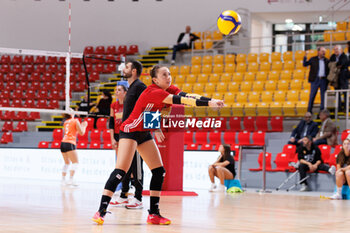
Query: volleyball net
[{"x": 37, "y": 80}]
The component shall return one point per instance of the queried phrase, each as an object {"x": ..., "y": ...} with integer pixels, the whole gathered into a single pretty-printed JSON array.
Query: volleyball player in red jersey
[
  {"x": 133, "y": 136},
  {"x": 71, "y": 127}
]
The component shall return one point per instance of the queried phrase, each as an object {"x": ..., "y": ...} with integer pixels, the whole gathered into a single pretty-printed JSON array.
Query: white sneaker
[
  {"x": 119, "y": 202},
  {"x": 72, "y": 182},
  {"x": 304, "y": 188},
  {"x": 220, "y": 189},
  {"x": 336, "y": 196},
  {"x": 212, "y": 187},
  {"x": 332, "y": 170},
  {"x": 134, "y": 204}
]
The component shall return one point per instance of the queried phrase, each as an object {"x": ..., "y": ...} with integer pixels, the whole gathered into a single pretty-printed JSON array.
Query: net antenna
[{"x": 68, "y": 56}]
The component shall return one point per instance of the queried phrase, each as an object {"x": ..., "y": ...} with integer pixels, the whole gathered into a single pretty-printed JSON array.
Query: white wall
[
  {"x": 261, "y": 28},
  {"x": 43, "y": 24}
]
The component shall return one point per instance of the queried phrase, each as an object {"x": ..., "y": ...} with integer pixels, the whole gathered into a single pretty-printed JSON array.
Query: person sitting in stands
[
  {"x": 305, "y": 127},
  {"x": 309, "y": 156},
  {"x": 183, "y": 42}
]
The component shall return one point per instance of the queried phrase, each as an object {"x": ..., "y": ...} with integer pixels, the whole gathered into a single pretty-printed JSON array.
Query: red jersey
[
  {"x": 117, "y": 108},
  {"x": 70, "y": 131},
  {"x": 150, "y": 100}
]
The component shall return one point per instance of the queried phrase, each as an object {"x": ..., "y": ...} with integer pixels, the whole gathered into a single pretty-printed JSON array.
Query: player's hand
[
  {"x": 84, "y": 124},
  {"x": 114, "y": 144},
  {"x": 159, "y": 136},
  {"x": 217, "y": 104}
]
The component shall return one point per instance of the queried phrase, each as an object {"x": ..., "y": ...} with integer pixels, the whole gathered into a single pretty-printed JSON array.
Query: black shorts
[
  {"x": 66, "y": 146},
  {"x": 139, "y": 136},
  {"x": 116, "y": 137}
]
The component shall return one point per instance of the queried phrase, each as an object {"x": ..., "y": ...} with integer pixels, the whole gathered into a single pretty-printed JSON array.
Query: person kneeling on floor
[{"x": 309, "y": 156}]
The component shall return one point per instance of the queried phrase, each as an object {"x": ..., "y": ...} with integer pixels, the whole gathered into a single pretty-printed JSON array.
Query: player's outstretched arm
[{"x": 176, "y": 99}]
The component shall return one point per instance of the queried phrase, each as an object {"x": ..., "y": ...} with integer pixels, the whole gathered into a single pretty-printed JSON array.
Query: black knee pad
[
  {"x": 157, "y": 178},
  {"x": 115, "y": 178}
]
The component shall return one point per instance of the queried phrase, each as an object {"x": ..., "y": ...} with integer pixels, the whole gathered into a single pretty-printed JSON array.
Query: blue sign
[{"x": 151, "y": 120}]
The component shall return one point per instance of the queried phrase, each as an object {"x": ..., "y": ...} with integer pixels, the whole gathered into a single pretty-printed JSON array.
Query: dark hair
[
  {"x": 136, "y": 65},
  {"x": 309, "y": 137},
  {"x": 341, "y": 156},
  {"x": 108, "y": 94},
  {"x": 227, "y": 152},
  {"x": 123, "y": 86}
]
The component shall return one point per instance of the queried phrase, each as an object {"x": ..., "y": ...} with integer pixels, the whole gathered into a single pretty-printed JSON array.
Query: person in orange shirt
[{"x": 71, "y": 127}]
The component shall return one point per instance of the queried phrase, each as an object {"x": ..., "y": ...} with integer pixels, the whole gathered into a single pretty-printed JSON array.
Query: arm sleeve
[
  {"x": 180, "y": 37},
  {"x": 194, "y": 37},
  {"x": 294, "y": 132},
  {"x": 300, "y": 153},
  {"x": 173, "y": 90},
  {"x": 314, "y": 130},
  {"x": 306, "y": 62}
]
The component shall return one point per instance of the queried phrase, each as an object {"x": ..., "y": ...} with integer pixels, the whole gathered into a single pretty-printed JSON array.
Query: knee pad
[
  {"x": 74, "y": 167},
  {"x": 114, "y": 179},
  {"x": 157, "y": 178},
  {"x": 65, "y": 168}
]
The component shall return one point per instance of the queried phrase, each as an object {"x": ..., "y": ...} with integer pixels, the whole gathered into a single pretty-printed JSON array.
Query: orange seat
[
  {"x": 274, "y": 75},
  {"x": 233, "y": 87},
  {"x": 261, "y": 76},
  {"x": 296, "y": 84},
  {"x": 279, "y": 96},
  {"x": 276, "y": 65},
  {"x": 207, "y": 60},
  {"x": 253, "y": 97},
  {"x": 209, "y": 88},
  {"x": 179, "y": 79},
  {"x": 289, "y": 65},
  {"x": 275, "y": 56},
  {"x": 270, "y": 85},
  {"x": 299, "y": 74},
  {"x": 217, "y": 35},
  {"x": 229, "y": 98},
  {"x": 221, "y": 87},
  {"x": 230, "y": 68},
  {"x": 249, "y": 76},
  {"x": 283, "y": 85},
  {"x": 246, "y": 86},
  {"x": 287, "y": 56},
  {"x": 241, "y": 58},
  {"x": 241, "y": 67},
  {"x": 219, "y": 59},
  {"x": 299, "y": 55},
  {"x": 208, "y": 44},
  {"x": 226, "y": 77},
  {"x": 252, "y": 57},
  {"x": 264, "y": 57},
  {"x": 196, "y": 69},
  {"x": 184, "y": 70},
  {"x": 242, "y": 97},
  {"x": 253, "y": 67},
  {"x": 258, "y": 86},
  {"x": 286, "y": 75},
  {"x": 213, "y": 78},
  {"x": 203, "y": 78},
  {"x": 191, "y": 78},
  {"x": 293, "y": 96},
  {"x": 265, "y": 66},
  {"x": 218, "y": 69},
  {"x": 230, "y": 58},
  {"x": 207, "y": 69},
  {"x": 266, "y": 96},
  {"x": 196, "y": 60},
  {"x": 238, "y": 77}
]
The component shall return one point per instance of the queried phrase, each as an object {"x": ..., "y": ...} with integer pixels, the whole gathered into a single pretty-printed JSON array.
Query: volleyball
[{"x": 229, "y": 22}]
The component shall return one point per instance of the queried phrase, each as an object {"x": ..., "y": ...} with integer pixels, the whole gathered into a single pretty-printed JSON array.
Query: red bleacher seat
[
  {"x": 42, "y": 96},
  {"x": 94, "y": 76},
  {"x": 40, "y": 60},
  {"x": 16, "y": 103},
  {"x": 28, "y": 59},
  {"x": 55, "y": 94},
  {"x": 41, "y": 68},
  {"x": 82, "y": 145},
  {"x": 101, "y": 123},
  {"x": 106, "y": 136},
  {"x": 188, "y": 138},
  {"x": 5, "y": 59},
  {"x": 5, "y": 68},
  {"x": 34, "y": 115},
  {"x": 261, "y": 123},
  {"x": 22, "y": 116},
  {"x": 95, "y": 135},
  {"x": 133, "y": 49},
  {"x": 22, "y": 77},
  {"x": 100, "y": 50},
  {"x": 244, "y": 138},
  {"x": 21, "y": 127},
  {"x": 6, "y": 137},
  {"x": 223, "y": 121},
  {"x": 8, "y": 116},
  {"x": 17, "y": 94},
  {"x": 17, "y": 69},
  {"x": 29, "y": 103},
  {"x": 248, "y": 123},
  {"x": 57, "y": 134},
  {"x": 17, "y": 59},
  {"x": 35, "y": 76},
  {"x": 61, "y": 61},
  {"x": 281, "y": 162},
  {"x": 29, "y": 68},
  {"x": 76, "y": 68},
  {"x": 258, "y": 138},
  {"x": 4, "y": 102},
  {"x": 107, "y": 145},
  {"x": 89, "y": 50},
  {"x": 8, "y": 126},
  {"x": 90, "y": 122},
  {"x": 332, "y": 160},
  {"x": 95, "y": 145},
  {"x": 230, "y": 138},
  {"x": 59, "y": 76},
  {"x": 51, "y": 60},
  {"x": 5, "y": 94},
  {"x": 47, "y": 77},
  {"x": 35, "y": 86},
  {"x": 192, "y": 146},
  {"x": 122, "y": 49},
  {"x": 215, "y": 139},
  {"x": 100, "y": 68},
  {"x": 56, "y": 144},
  {"x": 84, "y": 137},
  {"x": 235, "y": 124},
  {"x": 260, "y": 161},
  {"x": 111, "y": 50},
  {"x": 290, "y": 150},
  {"x": 201, "y": 138},
  {"x": 11, "y": 86},
  {"x": 53, "y": 104},
  {"x": 276, "y": 124},
  {"x": 207, "y": 147},
  {"x": 325, "y": 152},
  {"x": 53, "y": 68}
]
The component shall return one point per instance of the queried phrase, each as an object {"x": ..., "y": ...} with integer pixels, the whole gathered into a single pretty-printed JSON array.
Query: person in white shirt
[{"x": 184, "y": 41}]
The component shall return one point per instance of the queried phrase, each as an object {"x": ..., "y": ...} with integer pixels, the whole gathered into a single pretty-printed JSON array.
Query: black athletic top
[
  {"x": 312, "y": 155},
  {"x": 134, "y": 92},
  {"x": 231, "y": 165}
]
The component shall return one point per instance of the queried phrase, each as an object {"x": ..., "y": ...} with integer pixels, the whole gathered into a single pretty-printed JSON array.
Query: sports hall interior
[{"x": 258, "y": 72}]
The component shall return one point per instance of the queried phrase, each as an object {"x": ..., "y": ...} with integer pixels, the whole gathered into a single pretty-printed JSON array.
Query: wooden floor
[{"x": 34, "y": 206}]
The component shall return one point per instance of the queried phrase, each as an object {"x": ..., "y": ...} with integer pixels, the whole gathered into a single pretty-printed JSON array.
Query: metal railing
[{"x": 337, "y": 92}]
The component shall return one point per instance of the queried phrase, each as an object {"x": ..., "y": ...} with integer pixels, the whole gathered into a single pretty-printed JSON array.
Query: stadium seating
[{"x": 260, "y": 161}]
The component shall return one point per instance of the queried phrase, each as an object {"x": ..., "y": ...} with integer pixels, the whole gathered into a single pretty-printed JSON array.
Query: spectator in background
[
  {"x": 103, "y": 105},
  {"x": 342, "y": 64},
  {"x": 304, "y": 128},
  {"x": 348, "y": 52},
  {"x": 223, "y": 168},
  {"x": 343, "y": 169},
  {"x": 328, "y": 131},
  {"x": 83, "y": 105},
  {"x": 309, "y": 156},
  {"x": 317, "y": 76},
  {"x": 183, "y": 42}
]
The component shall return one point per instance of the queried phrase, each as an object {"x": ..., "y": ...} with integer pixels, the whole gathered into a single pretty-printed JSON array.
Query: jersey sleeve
[
  {"x": 173, "y": 90},
  {"x": 157, "y": 96}
]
